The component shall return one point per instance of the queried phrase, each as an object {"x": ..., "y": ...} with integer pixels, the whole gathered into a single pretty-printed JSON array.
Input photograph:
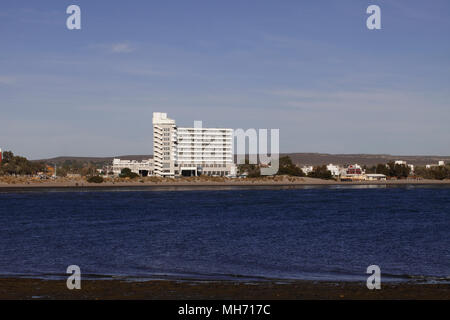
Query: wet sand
[{"x": 19, "y": 288}]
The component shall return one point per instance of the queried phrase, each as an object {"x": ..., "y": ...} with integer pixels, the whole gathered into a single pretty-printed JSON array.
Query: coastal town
[{"x": 183, "y": 152}]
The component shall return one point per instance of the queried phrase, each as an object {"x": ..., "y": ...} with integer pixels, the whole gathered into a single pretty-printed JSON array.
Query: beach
[
  {"x": 199, "y": 182},
  {"x": 19, "y": 288}
]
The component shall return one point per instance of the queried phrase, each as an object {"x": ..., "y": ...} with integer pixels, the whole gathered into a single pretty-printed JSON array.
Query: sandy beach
[
  {"x": 19, "y": 288},
  {"x": 199, "y": 182}
]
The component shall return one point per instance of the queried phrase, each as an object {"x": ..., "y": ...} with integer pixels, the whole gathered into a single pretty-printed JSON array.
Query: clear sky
[{"x": 310, "y": 68}]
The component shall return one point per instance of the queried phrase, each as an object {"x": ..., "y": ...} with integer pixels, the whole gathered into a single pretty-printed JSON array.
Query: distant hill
[
  {"x": 363, "y": 159},
  {"x": 297, "y": 158},
  {"x": 98, "y": 160}
]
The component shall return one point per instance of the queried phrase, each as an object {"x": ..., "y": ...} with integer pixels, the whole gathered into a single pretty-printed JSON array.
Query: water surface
[{"x": 318, "y": 233}]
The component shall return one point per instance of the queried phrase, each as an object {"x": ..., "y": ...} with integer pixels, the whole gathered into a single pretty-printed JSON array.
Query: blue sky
[{"x": 310, "y": 68}]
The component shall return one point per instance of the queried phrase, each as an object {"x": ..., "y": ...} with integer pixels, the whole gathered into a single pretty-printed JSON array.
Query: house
[
  {"x": 307, "y": 169},
  {"x": 334, "y": 169},
  {"x": 375, "y": 177}
]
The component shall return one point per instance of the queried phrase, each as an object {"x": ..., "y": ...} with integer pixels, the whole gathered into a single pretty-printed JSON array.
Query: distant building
[
  {"x": 439, "y": 164},
  {"x": 143, "y": 168},
  {"x": 334, "y": 169},
  {"x": 191, "y": 151},
  {"x": 354, "y": 169},
  {"x": 353, "y": 172},
  {"x": 375, "y": 177},
  {"x": 307, "y": 169}
]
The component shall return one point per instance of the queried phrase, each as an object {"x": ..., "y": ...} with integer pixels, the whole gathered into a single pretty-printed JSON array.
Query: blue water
[{"x": 322, "y": 233}]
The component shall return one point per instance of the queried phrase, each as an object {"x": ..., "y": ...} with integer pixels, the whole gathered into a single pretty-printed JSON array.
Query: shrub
[
  {"x": 95, "y": 179},
  {"x": 321, "y": 172},
  {"x": 127, "y": 173}
]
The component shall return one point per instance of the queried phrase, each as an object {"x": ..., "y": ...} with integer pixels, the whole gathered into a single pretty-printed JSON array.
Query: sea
[{"x": 329, "y": 233}]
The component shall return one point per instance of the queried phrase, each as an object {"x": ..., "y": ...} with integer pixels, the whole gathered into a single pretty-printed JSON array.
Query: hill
[{"x": 297, "y": 158}]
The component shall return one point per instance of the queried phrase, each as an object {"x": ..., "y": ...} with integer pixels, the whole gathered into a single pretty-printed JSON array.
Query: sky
[{"x": 311, "y": 69}]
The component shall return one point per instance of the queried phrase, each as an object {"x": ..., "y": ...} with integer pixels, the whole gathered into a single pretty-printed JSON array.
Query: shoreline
[
  {"x": 27, "y": 288},
  {"x": 205, "y": 184}
]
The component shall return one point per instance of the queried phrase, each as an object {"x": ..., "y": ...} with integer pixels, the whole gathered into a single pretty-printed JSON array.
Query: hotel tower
[{"x": 191, "y": 151}]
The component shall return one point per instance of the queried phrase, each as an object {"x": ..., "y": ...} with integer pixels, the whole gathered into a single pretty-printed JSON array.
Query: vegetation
[
  {"x": 95, "y": 179},
  {"x": 127, "y": 173},
  {"x": 252, "y": 170},
  {"x": 391, "y": 170},
  {"x": 16, "y": 165},
  {"x": 77, "y": 167},
  {"x": 288, "y": 168},
  {"x": 437, "y": 173},
  {"x": 321, "y": 172}
]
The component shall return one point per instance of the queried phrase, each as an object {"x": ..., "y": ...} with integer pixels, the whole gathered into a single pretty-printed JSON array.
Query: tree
[
  {"x": 321, "y": 172},
  {"x": 439, "y": 173},
  {"x": 16, "y": 165},
  {"x": 382, "y": 169},
  {"x": 397, "y": 170},
  {"x": 127, "y": 173},
  {"x": 252, "y": 170},
  {"x": 286, "y": 167}
]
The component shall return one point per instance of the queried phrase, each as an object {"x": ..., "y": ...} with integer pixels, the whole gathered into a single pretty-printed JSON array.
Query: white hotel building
[{"x": 191, "y": 151}]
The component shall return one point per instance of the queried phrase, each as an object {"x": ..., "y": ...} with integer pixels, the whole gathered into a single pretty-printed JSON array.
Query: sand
[
  {"x": 205, "y": 183},
  {"x": 19, "y": 288}
]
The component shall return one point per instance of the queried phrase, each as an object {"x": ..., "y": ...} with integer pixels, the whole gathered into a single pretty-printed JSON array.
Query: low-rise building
[
  {"x": 375, "y": 177},
  {"x": 143, "y": 168},
  {"x": 307, "y": 169},
  {"x": 334, "y": 169},
  {"x": 439, "y": 164},
  {"x": 354, "y": 169},
  {"x": 353, "y": 172}
]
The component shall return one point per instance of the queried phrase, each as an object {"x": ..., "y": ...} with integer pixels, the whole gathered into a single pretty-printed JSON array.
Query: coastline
[
  {"x": 204, "y": 183},
  {"x": 31, "y": 289}
]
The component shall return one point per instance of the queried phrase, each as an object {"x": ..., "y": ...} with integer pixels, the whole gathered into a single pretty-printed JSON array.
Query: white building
[
  {"x": 164, "y": 145},
  {"x": 307, "y": 169},
  {"x": 440, "y": 164},
  {"x": 208, "y": 150},
  {"x": 143, "y": 168},
  {"x": 334, "y": 169},
  {"x": 375, "y": 177},
  {"x": 191, "y": 151}
]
